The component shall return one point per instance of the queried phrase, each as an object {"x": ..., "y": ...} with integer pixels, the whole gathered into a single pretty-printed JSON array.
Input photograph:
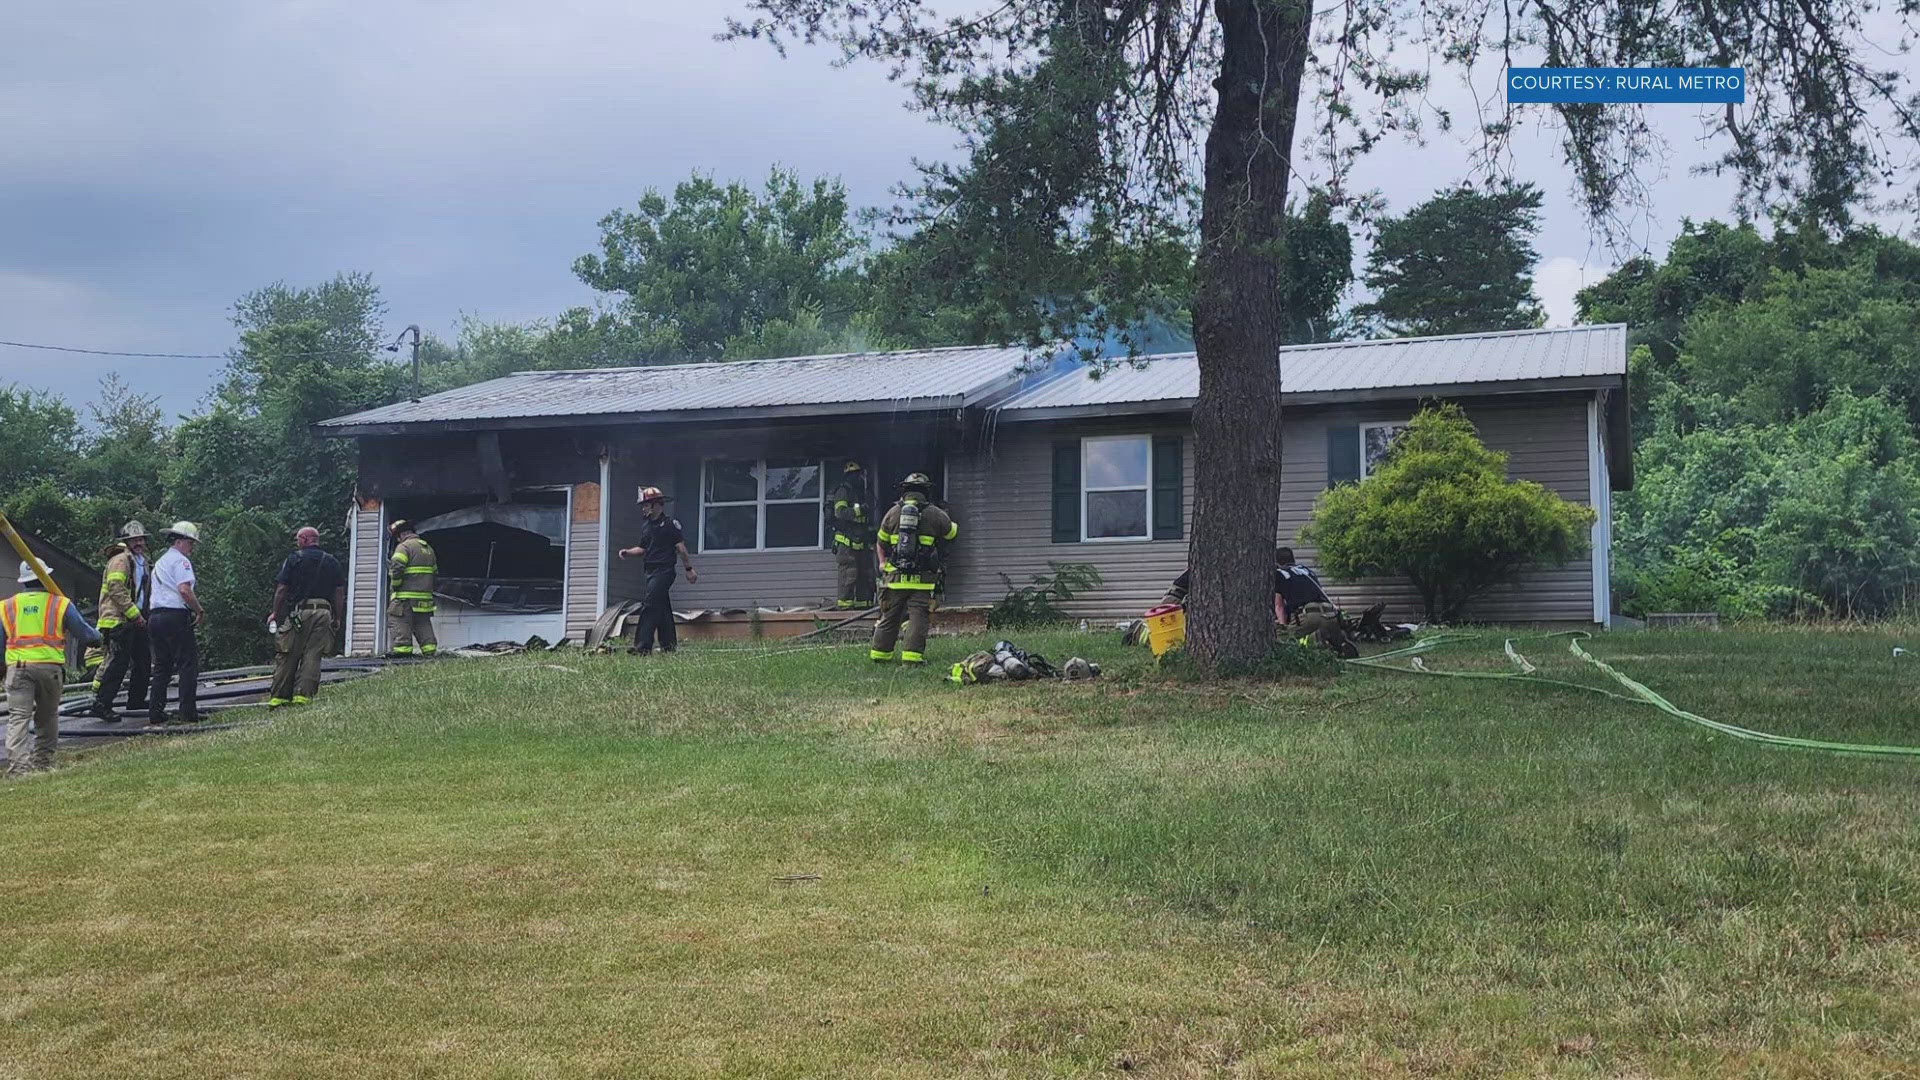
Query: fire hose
[{"x": 1638, "y": 693}]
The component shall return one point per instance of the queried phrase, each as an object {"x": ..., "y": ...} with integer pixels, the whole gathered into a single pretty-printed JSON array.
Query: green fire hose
[{"x": 1639, "y": 693}]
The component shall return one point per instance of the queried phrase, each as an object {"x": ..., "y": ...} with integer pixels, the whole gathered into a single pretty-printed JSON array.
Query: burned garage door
[{"x": 502, "y": 565}]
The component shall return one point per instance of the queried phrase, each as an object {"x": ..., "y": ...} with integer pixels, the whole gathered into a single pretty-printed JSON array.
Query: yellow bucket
[{"x": 1166, "y": 627}]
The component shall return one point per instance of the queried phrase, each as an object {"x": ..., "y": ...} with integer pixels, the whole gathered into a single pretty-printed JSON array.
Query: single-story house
[
  {"x": 527, "y": 484},
  {"x": 76, "y": 577}
]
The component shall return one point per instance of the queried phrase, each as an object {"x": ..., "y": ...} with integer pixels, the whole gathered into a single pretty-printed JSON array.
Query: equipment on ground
[{"x": 1166, "y": 628}]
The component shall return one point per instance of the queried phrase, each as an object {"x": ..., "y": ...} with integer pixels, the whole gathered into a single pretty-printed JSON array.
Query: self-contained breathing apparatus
[{"x": 910, "y": 555}]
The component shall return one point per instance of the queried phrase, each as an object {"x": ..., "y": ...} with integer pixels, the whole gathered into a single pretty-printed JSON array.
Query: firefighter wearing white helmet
[
  {"x": 914, "y": 536},
  {"x": 171, "y": 619},
  {"x": 124, "y": 600},
  {"x": 37, "y": 626}
]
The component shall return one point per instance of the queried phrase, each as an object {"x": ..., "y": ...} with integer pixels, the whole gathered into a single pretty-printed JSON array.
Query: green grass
[{"x": 791, "y": 863}]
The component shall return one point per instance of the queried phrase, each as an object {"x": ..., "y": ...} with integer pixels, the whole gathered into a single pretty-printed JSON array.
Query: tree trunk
[{"x": 1239, "y": 326}]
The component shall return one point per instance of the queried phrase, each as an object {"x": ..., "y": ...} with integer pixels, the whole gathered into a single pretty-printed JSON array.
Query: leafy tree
[
  {"x": 126, "y": 449},
  {"x": 1441, "y": 512},
  {"x": 1818, "y": 516},
  {"x": 717, "y": 264},
  {"x": 1096, "y": 131},
  {"x": 1805, "y": 337},
  {"x": 39, "y": 437},
  {"x": 1461, "y": 262},
  {"x": 1319, "y": 271}
]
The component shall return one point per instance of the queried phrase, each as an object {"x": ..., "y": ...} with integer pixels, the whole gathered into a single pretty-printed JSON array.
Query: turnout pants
[
  {"x": 33, "y": 715},
  {"x": 407, "y": 626},
  {"x": 176, "y": 653},
  {"x": 656, "y": 614},
  {"x": 128, "y": 660},
  {"x": 856, "y": 575},
  {"x": 297, "y": 651},
  {"x": 913, "y": 607}
]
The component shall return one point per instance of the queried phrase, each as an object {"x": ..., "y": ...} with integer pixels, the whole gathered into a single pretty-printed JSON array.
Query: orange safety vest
[{"x": 35, "y": 623}]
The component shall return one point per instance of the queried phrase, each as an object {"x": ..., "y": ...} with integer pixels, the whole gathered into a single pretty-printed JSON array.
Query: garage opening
[{"x": 502, "y": 565}]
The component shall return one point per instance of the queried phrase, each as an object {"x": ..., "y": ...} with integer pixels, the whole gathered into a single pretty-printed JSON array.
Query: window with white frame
[
  {"x": 1116, "y": 487},
  {"x": 767, "y": 505},
  {"x": 1376, "y": 440}
]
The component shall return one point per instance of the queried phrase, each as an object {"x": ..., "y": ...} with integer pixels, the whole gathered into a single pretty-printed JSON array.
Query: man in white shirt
[{"x": 175, "y": 611}]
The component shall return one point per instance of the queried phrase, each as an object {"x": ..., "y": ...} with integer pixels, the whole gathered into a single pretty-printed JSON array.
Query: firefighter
[
  {"x": 125, "y": 595},
  {"x": 176, "y": 611},
  {"x": 410, "y": 611},
  {"x": 853, "y": 538},
  {"x": 37, "y": 625},
  {"x": 913, "y": 536},
  {"x": 660, "y": 541},
  {"x": 308, "y": 594}
]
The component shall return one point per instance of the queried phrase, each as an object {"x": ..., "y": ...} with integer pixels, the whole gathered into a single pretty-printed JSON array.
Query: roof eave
[
  {"x": 348, "y": 427},
  {"x": 1016, "y": 414}
]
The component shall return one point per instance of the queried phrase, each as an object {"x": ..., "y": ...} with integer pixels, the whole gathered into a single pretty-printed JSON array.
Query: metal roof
[
  {"x": 1513, "y": 359},
  {"x": 807, "y": 385}
]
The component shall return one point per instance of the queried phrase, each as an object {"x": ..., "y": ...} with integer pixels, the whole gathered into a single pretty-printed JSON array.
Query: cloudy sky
[{"x": 162, "y": 159}]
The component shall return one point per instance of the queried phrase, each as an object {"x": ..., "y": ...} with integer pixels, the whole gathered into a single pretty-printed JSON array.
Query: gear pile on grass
[{"x": 1007, "y": 661}]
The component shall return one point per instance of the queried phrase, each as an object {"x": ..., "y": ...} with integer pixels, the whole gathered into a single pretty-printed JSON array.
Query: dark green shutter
[
  {"x": 686, "y": 499},
  {"x": 1169, "y": 488},
  {"x": 1343, "y": 453},
  {"x": 1066, "y": 492}
]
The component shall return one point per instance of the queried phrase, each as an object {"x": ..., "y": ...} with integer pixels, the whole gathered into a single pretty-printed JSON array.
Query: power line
[{"x": 156, "y": 355}]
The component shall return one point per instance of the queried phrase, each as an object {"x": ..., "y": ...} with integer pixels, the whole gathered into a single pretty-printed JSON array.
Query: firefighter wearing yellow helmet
[
  {"x": 913, "y": 536},
  {"x": 410, "y": 571}
]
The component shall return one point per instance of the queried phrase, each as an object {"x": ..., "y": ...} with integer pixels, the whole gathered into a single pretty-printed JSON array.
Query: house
[
  {"x": 530, "y": 481},
  {"x": 75, "y": 576}
]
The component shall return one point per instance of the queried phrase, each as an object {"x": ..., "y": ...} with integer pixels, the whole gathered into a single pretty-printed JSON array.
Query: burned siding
[{"x": 1012, "y": 482}]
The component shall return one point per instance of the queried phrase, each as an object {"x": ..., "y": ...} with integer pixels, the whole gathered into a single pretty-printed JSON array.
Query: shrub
[
  {"x": 1036, "y": 603},
  {"x": 1441, "y": 512}
]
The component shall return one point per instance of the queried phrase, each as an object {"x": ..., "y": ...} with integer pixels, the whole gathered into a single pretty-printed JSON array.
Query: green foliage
[
  {"x": 1037, "y": 602},
  {"x": 39, "y": 434},
  {"x": 1460, "y": 262},
  {"x": 1776, "y": 405},
  {"x": 716, "y": 264},
  {"x": 1441, "y": 512},
  {"x": 1820, "y": 516}
]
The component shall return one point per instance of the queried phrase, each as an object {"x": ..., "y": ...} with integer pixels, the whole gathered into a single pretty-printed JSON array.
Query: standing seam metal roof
[
  {"x": 971, "y": 375},
  {"x": 1451, "y": 360},
  {"x": 933, "y": 377}
]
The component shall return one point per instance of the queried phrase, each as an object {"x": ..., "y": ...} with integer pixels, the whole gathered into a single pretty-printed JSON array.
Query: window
[
  {"x": 766, "y": 505},
  {"x": 1116, "y": 481},
  {"x": 1375, "y": 441}
]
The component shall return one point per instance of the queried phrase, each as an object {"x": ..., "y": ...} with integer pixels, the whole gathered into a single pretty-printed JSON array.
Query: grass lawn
[{"x": 765, "y": 862}]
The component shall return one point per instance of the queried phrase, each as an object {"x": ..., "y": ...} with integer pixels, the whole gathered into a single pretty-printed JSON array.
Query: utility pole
[{"x": 395, "y": 347}]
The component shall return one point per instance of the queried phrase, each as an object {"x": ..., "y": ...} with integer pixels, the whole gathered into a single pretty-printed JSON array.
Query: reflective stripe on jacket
[
  {"x": 119, "y": 593},
  {"x": 35, "y": 623},
  {"x": 410, "y": 571},
  {"x": 936, "y": 526}
]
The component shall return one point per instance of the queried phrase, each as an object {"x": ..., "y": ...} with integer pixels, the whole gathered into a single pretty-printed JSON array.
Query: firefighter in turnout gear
[
  {"x": 410, "y": 574},
  {"x": 37, "y": 625},
  {"x": 913, "y": 537},
  {"x": 852, "y": 524},
  {"x": 124, "y": 600}
]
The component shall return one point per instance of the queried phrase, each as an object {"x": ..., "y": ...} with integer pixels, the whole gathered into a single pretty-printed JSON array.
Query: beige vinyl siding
[
  {"x": 1545, "y": 436},
  {"x": 1002, "y": 496},
  {"x": 369, "y": 602},
  {"x": 583, "y": 561},
  {"x": 728, "y": 579},
  {"x": 1546, "y": 440}
]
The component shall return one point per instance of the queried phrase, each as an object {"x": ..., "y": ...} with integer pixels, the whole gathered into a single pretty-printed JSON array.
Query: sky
[{"x": 163, "y": 159}]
